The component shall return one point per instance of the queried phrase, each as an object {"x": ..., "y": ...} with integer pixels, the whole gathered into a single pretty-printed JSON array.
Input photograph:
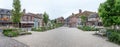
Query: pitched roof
[
  {"x": 29, "y": 14},
  {"x": 34, "y": 15},
  {"x": 93, "y": 15},
  {"x": 85, "y": 13},
  {"x": 40, "y": 16},
  {"x": 5, "y": 11}
]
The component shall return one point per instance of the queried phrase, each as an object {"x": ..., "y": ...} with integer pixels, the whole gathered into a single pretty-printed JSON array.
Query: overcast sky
[{"x": 55, "y": 8}]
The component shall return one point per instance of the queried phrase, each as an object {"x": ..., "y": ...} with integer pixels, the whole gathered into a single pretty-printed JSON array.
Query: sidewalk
[{"x": 8, "y": 42}]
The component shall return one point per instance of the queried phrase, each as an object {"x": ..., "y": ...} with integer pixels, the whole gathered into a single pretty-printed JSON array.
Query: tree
[
  {"x": 110, "y": 13},
  {"x": 16, "y": 11},
  {"x": 45, "y": 19},
  {"x": 83, "y": 20}
]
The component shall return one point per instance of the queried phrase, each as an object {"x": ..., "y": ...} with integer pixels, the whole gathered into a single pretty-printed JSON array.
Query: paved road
[
  {"x": 64, "y": 37},
  {"x": 8, "y": 42}
]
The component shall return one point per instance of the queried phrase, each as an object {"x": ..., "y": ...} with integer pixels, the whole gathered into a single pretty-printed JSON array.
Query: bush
[
  {"x": 6, "y": 30},
  {"x": 88, "y": 28},
  {"x": 25, "y": 33},
  {"x": 39, "y": 29},
  {"x": 10, "y": 32},
  {"x": 114, "y": 37},
  {"x": 48, "y": 28},
  {"x": 13, "y": 32},
  {"x": 42, "y": 29}
]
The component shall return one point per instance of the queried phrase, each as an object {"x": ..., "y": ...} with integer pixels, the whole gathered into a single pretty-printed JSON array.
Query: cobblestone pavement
[
  {"x": 8, "y": 42},
  {"x": 64, "y": 37}
]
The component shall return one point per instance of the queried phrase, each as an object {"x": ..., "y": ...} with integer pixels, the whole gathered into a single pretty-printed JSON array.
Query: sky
[{"x": 55, "y": 8}]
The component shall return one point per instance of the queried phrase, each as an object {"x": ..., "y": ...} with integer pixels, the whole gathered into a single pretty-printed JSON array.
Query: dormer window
[
  {"x": 8, "y": 12},
  {"x": 1, "y": 11}
]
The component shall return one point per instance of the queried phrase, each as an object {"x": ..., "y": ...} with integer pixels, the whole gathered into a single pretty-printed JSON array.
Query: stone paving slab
[
  {"x": 64, "y": 37},
  {"x": 8, "y": 42}
]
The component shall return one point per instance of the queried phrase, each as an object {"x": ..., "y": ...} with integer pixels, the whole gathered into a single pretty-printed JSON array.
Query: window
[
  {"x": 24, "y": 18},
  {"x": 1, "y": 11},
  {"x": 8, "y": 12}
]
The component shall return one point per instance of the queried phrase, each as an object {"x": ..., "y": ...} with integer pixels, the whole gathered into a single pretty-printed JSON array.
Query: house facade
[
  {"x": 75, "y": 19},
  {"x": 27, "y": 20},
  {"x": 38, "y": 20},
  {"x": 5, "y": 17},
  {"x": 67, "y": 22},
  {"x": 94, "y": 20},
  {"x": 60, "y": 20}
]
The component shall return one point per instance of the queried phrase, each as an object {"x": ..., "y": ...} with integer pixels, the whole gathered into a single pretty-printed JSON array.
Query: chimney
[
  {"x": 72, "y": 14},
  {"x": 80, "y": 11},
  {"x": 24, "y": 11}
]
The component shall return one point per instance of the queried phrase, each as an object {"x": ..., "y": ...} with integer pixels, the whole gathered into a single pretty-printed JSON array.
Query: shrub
[
  {"x": 47, "y": 28},
  {"x": 10, "y": 33},
  {"x": 6, "y": 30},
  {"x": 88, "y": 28},
  {"x": 42, "y": 29},
  {"x": 13, "y": 32},
  {"x": 25, "y": 33},
  {"x": 39, "y": 29},
  {"x": 114, "y": 35}
]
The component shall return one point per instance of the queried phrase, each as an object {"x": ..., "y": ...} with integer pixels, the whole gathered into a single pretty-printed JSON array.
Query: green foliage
[
  {"x": 88, "y": 28},
  {"x": 109, "y": 12},
  {"x": 14, "y": 32},
  {"x": 58, "y": 25},
  {"x": 25, "y": 33},
  {"x": 45, "y": 18},
  {"x": 10, "y": 33},
  {"x": 16, "y": 14},
  {"x": 6, "y": 30},
  {"x": 83, "y": 19},
  {"x": 114, "y": 37},
  {"x": 37, "y": 29},
  {"x": 41, "y": 29},
  {"x": 55, "y": 21}
]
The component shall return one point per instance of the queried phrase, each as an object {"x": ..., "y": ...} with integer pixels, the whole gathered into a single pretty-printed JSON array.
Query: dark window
[
  {"x": 8, "y": 12},
  {"x": 31, "y": 18},
  {"x": 1, "y": 11}
]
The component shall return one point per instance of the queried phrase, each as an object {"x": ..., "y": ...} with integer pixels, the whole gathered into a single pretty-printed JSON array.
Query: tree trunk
[
  {"x": 46, "y": 26},
  {"x": 114, "y": 27},
  {"x": 18, "y": 25}
]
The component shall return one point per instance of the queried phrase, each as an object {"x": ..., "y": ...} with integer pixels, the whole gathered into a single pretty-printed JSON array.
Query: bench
[{"x": 101, "y": 32}]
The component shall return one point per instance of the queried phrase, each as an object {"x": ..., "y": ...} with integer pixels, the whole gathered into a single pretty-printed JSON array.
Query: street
[{"x": 64, "y": 37}]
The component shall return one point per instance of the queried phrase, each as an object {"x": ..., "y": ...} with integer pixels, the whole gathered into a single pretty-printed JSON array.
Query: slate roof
[
  {"x": 93, "y": 15},
  {"x": 85, "y": 13},
  {"x": 5, "y": 11}
]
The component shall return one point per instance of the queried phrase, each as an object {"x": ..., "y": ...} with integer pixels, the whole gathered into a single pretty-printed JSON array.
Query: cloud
[{"x": 55, "y": 8}]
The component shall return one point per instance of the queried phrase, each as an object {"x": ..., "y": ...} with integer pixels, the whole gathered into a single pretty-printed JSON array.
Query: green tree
[
  {"x": 83, "y": 20},
  {"x": 109, "y": 13},
  {"x": 16, "y": 11},
  {"x": 45, "y": 19}
]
